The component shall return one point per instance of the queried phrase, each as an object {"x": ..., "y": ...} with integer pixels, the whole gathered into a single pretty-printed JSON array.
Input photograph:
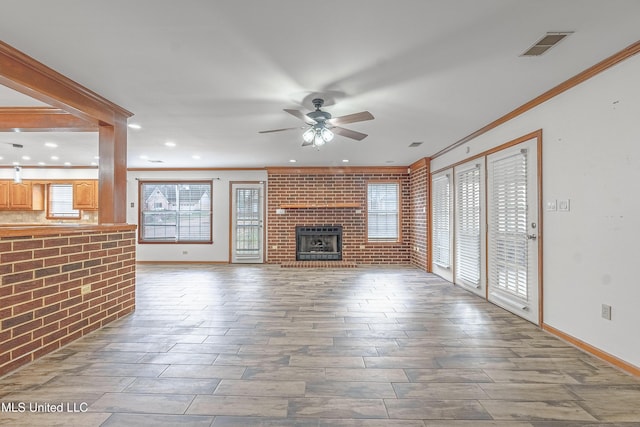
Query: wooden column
[{"x": 112, "y": 192}]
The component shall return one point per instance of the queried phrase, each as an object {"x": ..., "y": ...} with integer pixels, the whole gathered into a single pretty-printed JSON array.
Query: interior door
[
  {"x": 247, "y": 217},
  {"x": 512, "y": 211}
]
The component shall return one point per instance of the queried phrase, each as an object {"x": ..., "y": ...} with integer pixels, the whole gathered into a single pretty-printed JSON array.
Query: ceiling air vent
[
  {"x": 546, "y": 43},
  {"x": 415, "y": 144},
  {"x": 156, "y": 161}
]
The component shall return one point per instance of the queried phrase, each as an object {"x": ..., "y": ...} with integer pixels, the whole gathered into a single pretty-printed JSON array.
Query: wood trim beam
[
  {"x": 42, "y": 119},
  {"x": 24, "y": 74}
]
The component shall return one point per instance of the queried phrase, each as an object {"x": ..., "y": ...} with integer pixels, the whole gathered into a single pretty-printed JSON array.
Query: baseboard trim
[
  {"x": 182, "y": 262},
  {"x": 613, "y": 360}
]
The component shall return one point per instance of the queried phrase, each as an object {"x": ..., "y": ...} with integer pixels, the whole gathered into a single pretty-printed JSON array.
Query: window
[
  {"x": 383, "y": 212},
  {"x": 60, "y": 202},
  {"x": 175, "y": 212},
  {"x": 441, "y": 242}
]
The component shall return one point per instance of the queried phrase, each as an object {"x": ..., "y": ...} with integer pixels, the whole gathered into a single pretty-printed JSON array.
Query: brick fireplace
[{"x": 335, "y": 196}]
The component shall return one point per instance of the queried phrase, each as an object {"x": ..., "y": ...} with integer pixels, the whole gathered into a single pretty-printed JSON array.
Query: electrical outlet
[
  {"x": 606, "y": 311},
  {"x": 552, "y": 206}
]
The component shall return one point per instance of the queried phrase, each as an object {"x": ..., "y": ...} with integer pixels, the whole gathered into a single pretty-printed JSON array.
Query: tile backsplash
[{"x": 39, "y": 217}]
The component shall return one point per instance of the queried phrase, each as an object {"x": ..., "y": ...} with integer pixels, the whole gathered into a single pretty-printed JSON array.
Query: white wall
[
  {"x": 591, "y": 156},
  {"x": 216, "y": 252}
]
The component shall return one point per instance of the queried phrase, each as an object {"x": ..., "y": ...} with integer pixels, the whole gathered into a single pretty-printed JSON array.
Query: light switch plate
[
  {"x": 564, "y": 205},
  {"x": 606, "y": 311}
]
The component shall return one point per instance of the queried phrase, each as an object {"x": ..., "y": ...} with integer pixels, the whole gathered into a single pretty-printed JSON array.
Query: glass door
[{"x": 247, "y": 232}]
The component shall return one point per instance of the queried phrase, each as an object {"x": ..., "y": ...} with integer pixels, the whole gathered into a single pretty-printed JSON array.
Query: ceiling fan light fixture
[
  {"x": 326, "y": 134},
  {"x": 309, "y": 135},
  {"x": 318, "y": 140}
]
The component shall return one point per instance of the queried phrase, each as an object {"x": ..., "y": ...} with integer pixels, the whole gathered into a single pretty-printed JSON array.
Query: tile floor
[{"x": 262, "y": 345}]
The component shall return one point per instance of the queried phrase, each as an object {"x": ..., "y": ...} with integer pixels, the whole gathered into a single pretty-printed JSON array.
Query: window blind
[
  {"x": 441, "y": 200},
  {"x": 468, "y": 225},
  {"x": 383, "y": 212},
  {"x": 508, "y": 231},
  {"x": 175, "y": 212},
  {"x": 61, "y": 201}
]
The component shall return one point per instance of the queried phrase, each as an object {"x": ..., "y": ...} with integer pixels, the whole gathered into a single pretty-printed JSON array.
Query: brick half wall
[{"x": 57, "y": 288}]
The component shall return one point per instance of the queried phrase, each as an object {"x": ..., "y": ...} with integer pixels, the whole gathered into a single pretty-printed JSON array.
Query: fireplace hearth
[{"x": 318, "y": 242}]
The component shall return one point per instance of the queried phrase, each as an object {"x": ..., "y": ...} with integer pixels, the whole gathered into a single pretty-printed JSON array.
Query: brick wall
[
  {"x": 331, "y": 186},
  {"x": 419, "y": 195},
  {"x": 56, "y": 288}
]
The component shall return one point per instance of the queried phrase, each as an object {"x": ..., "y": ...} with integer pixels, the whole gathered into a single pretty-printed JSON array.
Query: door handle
[{"x": 532, "y": 236}]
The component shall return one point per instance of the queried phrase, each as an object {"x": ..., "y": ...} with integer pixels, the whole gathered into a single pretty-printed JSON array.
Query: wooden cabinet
[
  {"x": 85, "y": 195},
  {"x": 24, "y": 196},
  {"x": 4, "y": 194}
]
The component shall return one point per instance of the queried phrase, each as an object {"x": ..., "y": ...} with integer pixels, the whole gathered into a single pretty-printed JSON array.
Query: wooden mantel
[
  {"x": 319, "y": 205},
  {"x": 74, "y": 108}
]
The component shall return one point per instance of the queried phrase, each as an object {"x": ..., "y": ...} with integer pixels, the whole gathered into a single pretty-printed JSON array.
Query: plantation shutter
[
  {"x": 441, "y": 200},
  {"x": 383, "y": 212},
  {"x": 468, "y": 225},
  {"x": 508, "y": 233}
]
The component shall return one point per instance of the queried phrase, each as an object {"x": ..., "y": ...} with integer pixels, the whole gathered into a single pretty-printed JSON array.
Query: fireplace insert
[{"x": 318, "y": 242}]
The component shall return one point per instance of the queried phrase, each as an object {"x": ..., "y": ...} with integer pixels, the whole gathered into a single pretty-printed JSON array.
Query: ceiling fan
[{"x": 322, "y": 126}]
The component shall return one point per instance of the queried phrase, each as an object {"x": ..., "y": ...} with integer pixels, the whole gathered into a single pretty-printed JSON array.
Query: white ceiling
[{"x": 209, "y": 74}]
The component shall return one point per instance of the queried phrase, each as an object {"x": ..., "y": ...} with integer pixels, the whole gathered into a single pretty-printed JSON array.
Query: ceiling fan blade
[
  {"x": 351, "y": 118},
  {"x": 299, "y": 114},
  {"x": 349, "y": 133},
  {"x": 305, "y": 143},
  {"x": 277, "y": 130}
]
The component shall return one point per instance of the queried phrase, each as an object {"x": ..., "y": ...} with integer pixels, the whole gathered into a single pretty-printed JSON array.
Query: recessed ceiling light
[
  {"x": 50, "y": 144},
  {"x": 41, "y": 163},
  {"x": 16, "y": 163},
  {"x": 96, "y": 157},
  {"x": 292, "y": 161},
  {"x": 134, "y": 126},
  {"x": 144, "y": 156},
  {"x": 345, "y": 160},
  {"x": 26, "y": 158},
  {"x": 1, "y": 158},
  {"x": 54, "y": 157},
  {"x": 170, "y": 144},
  {"x": 67, "y": 163},
  {"x": 195, "y": 156},
  {"x": 94, "y": 164}
]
